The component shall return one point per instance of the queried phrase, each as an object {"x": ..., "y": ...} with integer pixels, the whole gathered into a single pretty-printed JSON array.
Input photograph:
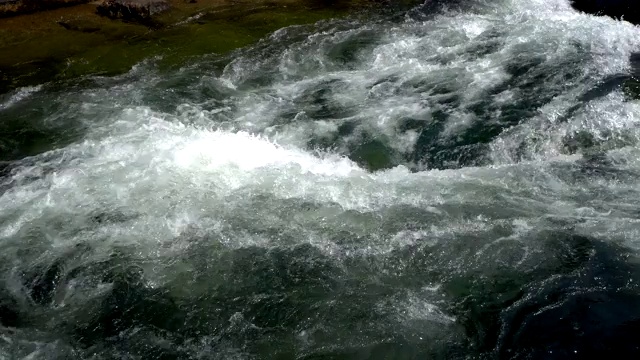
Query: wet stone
[
  {"x": 85, "y": 27},
  {"x": 132, "y": 9},
  {"x": 17, "y": 7}
]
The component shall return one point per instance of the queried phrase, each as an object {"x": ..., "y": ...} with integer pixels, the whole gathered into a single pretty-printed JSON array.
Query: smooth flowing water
[{"x": 448, "y": 182}]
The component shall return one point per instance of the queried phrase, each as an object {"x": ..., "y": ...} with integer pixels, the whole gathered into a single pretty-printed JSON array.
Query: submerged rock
[
  {"x": 132, "y": 9},
  {"x": 79, "y": 25},
  {"x": 628, "y": 10}
]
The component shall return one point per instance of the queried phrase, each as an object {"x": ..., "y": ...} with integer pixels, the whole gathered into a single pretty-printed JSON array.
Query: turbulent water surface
[{"x": 456, "y": 181}]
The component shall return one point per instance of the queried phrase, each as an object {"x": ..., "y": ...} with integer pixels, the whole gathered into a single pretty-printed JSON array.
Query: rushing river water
[{"x": 447, "y": 182}]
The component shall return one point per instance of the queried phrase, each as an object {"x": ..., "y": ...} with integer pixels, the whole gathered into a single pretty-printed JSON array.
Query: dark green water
[{"x": 452, "y": 182}]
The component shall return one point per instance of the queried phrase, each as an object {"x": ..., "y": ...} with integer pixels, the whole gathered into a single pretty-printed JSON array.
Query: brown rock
[
  {"x": 18, "y": 7},
  {"x": 132, "y": 9}
]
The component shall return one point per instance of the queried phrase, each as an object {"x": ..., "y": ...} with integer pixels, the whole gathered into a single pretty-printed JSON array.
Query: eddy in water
[{"x": 454, "y": 181}]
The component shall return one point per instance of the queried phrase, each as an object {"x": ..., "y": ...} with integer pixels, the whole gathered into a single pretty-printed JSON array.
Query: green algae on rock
[{"x": 75, "y": 41}]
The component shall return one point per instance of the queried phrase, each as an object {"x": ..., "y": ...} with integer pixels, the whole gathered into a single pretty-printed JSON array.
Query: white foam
[
  {"x": 170, "y": 177},
  {"x": 19, "y": 95}
]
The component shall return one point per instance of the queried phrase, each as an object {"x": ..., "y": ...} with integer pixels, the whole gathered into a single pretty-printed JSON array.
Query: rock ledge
[{"x": 132, "y": 9}]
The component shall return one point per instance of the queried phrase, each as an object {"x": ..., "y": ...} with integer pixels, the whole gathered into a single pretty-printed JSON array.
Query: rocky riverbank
[
  {"x": 76, "y": 40},
  {"x": 43, "y": 40},
  {"x": 18, "y": 7}
]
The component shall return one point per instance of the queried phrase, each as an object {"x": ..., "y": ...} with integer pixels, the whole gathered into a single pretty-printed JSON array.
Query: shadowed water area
[{"x": 456, "y": 181}]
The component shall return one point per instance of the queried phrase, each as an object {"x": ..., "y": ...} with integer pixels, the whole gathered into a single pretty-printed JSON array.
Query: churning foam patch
[
  {"x": 440, "y": 52},
  {"x": 209, "y": 151},
  {"x": 169, "y": 175},
  {"x": 18, "y": 95}
]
